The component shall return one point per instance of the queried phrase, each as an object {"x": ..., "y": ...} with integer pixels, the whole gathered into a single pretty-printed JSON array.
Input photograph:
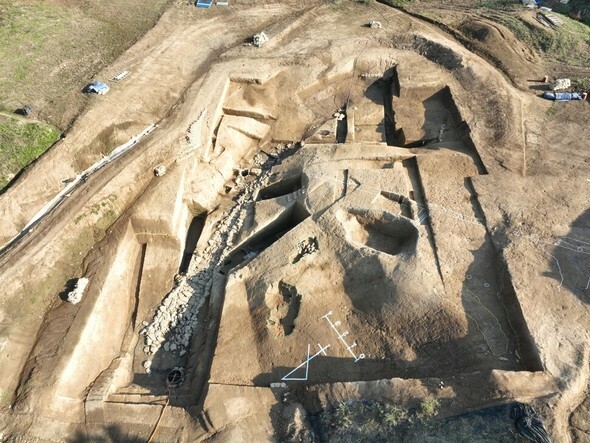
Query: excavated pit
[
  {"x": 283, "y": 303},
  {"x": 383, "y": 231},
  {"x": 429, "y": 117}
]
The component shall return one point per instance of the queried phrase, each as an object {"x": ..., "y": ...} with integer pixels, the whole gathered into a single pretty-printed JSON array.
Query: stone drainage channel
[{"x": 175, "y": 321}]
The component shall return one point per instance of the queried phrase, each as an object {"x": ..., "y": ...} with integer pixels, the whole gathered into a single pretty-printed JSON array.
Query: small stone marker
[{"x": 120, "y": 76}]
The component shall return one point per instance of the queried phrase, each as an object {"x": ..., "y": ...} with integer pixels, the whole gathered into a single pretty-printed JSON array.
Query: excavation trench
[
  {"x": 380, "y": 94},
  {"x": 256, "y": 244},
  {"x": 390, "y": 89},
  {"x": 529, "y": 353},
  {"x": 527, "y": 350},
  {"x": 192, "y": 238},
  {"x": 283, "y": 187},
  {"x": 429, "y": 117},
  {"x": 342, "y": 127}
]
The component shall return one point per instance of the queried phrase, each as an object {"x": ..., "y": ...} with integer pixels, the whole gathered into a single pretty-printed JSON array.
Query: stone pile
[
  {"x": 76, "y": 294},
  {"x": 306, "y": 247},
  {"x": 176, "y": 319},
  {"x": 560, "y": 83},
  {"x": 259, "y": 39},
  {"x": 159, "y": 171},
  {"x": 340, "y": 114}
]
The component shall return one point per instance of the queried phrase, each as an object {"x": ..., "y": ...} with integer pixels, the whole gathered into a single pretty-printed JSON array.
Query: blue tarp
[
  {"x": 203, "y": 3},
  {"x": 562, "y": 96},
  {"x": 97, "y": 88}
]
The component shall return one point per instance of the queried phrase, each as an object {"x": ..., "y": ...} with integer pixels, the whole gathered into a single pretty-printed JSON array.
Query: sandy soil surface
[{"x": 348, "y": 214}]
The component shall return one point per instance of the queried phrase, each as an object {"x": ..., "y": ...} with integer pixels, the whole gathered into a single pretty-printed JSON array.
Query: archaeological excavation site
[{"x": 362, "y": 225}]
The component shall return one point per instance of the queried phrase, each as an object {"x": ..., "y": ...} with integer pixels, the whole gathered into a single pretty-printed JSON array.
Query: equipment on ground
[{"x": 99, "y": 88}]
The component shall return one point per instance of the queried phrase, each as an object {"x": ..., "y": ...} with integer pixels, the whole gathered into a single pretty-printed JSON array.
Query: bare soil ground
[{"x": 369, "y": 229}]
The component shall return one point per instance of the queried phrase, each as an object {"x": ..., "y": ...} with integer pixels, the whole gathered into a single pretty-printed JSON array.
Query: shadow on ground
[
  {"x": 570, "y": 262},
  {"x": 106, "y": 434}
]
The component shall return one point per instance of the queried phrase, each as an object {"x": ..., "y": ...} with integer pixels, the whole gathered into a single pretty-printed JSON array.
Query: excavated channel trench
[
  {"x": 192, "y": 238},
  {"x": 265, "y": 238}
]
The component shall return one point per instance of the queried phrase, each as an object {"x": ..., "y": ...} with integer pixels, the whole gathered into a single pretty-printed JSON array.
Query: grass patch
[
  {"x": 21, "y": 142},
  {"x": 4, "y": 397},
  {"x": 357, "y": 419},
  {"x": 375, "y": 421},
  {"x": 569, "y": 43},
  {"x": 105, "y": 210},
  {"x": 24, "y": 32},
  {"x": 489, "y": 425},
  {"x": 36, "y": 49},
  {"x": 550, "y": 112},
  {"x": 508, "y": 5},
  {"x": 581, "y": 84},
  {"x": 49, "y": 50}
]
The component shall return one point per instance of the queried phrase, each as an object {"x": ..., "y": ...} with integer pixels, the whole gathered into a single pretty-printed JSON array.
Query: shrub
[{"x": 429, "y": 407}]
